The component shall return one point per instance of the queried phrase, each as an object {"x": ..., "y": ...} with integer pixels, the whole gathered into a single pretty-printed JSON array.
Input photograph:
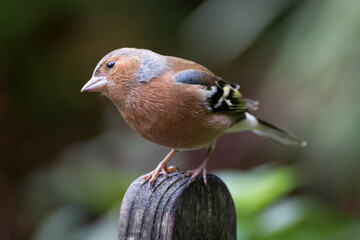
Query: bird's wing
[{"x": 222, "y": 96}]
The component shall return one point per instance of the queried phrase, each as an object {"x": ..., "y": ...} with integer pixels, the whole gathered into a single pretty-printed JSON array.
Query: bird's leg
[
  {"x": 161, "y": 169},
  {"x": 201, "y": 169}
]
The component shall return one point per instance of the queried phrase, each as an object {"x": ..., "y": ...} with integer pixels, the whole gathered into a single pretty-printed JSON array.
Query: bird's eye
[{"x": 110, "y": 64}]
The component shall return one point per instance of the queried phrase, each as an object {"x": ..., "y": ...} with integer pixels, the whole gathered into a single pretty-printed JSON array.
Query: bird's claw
[
  {"x": 194, "y": 173},
  {"x": 153, "y": 175}
]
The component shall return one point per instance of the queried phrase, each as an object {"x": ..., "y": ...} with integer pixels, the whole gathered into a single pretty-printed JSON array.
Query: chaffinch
[{"x": 177, "y": 103}]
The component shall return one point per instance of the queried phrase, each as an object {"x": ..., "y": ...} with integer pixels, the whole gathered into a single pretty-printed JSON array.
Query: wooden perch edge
[{"x": 172, "y": 210}]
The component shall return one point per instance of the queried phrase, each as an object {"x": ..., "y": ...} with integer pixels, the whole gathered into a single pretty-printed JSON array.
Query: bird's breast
[{"x": 173, "y": 116}]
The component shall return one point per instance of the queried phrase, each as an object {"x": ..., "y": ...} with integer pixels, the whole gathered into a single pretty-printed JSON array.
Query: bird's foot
[
  {"x": 196, "y": 172},
  {"x": 153, "y": 175}
]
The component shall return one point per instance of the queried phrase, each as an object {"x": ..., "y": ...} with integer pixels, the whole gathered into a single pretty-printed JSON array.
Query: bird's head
[
  {"x": 124, "y": 68},
  {"x": 117, "y": 68}
]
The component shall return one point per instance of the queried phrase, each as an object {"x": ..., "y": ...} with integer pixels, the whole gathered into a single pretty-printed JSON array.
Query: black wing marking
[
  {"x": 222, "y": 96},
  {"x": 227, "y": 98}
]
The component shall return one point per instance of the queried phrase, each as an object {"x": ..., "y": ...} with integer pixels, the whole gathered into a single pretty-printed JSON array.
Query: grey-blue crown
[{"x": 151, "y": 64}]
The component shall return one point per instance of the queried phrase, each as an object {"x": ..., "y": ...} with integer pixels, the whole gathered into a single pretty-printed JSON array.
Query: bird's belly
[
  {"x": 181, "y": 139},
  {"x": 182, "y": 132}
]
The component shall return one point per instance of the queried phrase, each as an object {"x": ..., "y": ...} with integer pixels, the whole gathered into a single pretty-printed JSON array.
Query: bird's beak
[{"x": 95, "y": 84}]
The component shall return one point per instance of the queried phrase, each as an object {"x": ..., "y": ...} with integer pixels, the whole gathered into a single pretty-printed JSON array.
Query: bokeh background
[{"x": 67, "y": 158}]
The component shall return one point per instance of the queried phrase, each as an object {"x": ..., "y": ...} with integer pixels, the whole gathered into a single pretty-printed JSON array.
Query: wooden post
[{"x": 172, "y": 210}]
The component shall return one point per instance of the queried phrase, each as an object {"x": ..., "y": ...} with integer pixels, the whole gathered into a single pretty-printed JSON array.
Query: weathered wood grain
[{"x": 172, "y": 210}]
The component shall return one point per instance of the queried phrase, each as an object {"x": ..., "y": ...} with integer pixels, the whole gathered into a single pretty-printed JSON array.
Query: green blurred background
[{"x": 67, "y": 158}]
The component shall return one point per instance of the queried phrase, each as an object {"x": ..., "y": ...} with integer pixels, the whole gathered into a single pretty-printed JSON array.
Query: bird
[{"x": 178, "y": 104}]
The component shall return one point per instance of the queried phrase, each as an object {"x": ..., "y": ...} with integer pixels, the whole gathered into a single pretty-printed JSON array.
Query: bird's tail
[{"x": 277, "y": 134}]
